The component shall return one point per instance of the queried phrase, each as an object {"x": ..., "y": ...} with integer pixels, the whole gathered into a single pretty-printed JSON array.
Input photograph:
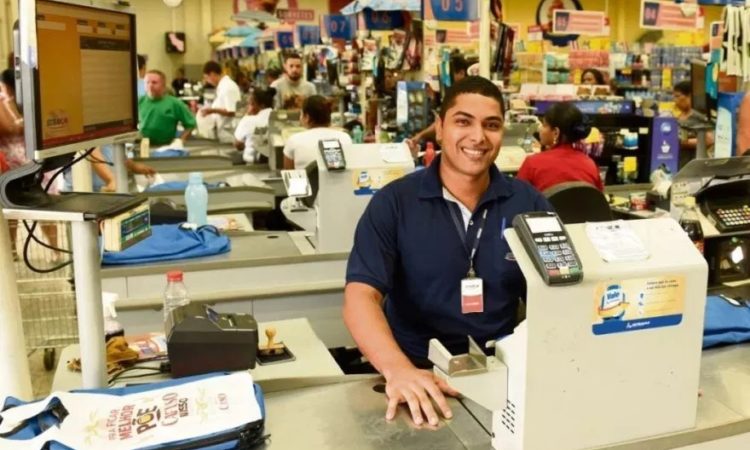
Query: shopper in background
[
  {"x": 159, "y": 113},
  {"x": 13, "y": 149},
  {"x": 301, "y": 148},
  {"x": 562, "y": 127},
  {"x": 179, "y": 81},
  {"x": 254, "y": 125},
  {"x": 292, "y": 89},
  {"x": 592, "y": 77},
  {"x": 224, "y": 106},
  {"x": 686, "y": 116}
]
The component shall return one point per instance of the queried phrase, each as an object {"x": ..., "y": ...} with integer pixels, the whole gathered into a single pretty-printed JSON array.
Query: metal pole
[
  {"x": 89, "y": 304},
  {"x": 81, "y": 175},
  {"x": 700, "y": 148},
  {"x": 15, "y": 378},
  {"x": 121, "y": 171}
]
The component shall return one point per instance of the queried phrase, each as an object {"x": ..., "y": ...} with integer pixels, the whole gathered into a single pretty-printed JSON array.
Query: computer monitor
[
  {"x": 78, "y": 76},
  {"x": 698, "y": 97}
]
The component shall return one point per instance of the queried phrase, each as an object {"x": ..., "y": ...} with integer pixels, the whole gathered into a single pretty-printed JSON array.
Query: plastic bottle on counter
[
  {"x": 690, "y": 222},
  {"x": 429, "y": 154},
  {"x": 357, "y": 134},
  {"x": 176, "y": 294},
  {"x": 196, "y": 200}
]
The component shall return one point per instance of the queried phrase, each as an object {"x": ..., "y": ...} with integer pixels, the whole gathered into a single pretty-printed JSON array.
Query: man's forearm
[
  {"x": 186, "y": 134},
  {"x": 366, "y": 321},
  {"x": 221, "y": 112}
]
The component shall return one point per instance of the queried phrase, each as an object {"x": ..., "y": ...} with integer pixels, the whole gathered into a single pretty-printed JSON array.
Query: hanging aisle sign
[
  {"x": 586, "y": 23},
  {"x": 451, "y": 10},
  {"x": 339, "y": 26},
  {"x": 665, "y": 15},
  {"x": 308, "y": 34},
  {"x": 285, "y": 39},
  {"x": 383, "y": 20}
]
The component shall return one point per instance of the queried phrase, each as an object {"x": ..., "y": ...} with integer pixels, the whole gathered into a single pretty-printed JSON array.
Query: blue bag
[
  {"x": 725, "y": 323},
  {"x": 180, "y": 186},
  {"x": 54, "y": 414},
  {"x": 171, "y": 242},
  {"x": 170, "y": 153}
]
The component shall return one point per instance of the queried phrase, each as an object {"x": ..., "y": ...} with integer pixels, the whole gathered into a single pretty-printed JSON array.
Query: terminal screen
[
  {"x": 86, "y": 74},
  {"x": 543, "y": 225}
]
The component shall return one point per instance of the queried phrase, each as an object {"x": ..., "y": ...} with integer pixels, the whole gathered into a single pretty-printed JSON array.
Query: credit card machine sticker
[
  {"x": 549, "y": 246},
  {"x": 333, "y": 154}
]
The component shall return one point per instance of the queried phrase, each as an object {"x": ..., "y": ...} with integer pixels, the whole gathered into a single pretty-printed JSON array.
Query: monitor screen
[
  {"x": 81, "y": 88},
  {"x": 698, "y": 87}
]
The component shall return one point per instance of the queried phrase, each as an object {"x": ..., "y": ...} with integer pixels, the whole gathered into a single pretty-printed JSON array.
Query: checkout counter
[{"x": 574, "y": 360}]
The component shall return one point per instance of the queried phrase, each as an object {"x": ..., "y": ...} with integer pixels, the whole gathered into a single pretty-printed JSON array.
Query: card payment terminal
[
  {"x": 549, "y": 246},
  {"x": 333, "y": 154}
]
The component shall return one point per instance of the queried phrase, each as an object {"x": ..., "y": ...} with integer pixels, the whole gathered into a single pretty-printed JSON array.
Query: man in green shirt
[{"x": 160, "y": 113}]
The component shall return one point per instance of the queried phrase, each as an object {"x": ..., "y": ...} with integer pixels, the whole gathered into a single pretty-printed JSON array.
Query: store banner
[
  {"x": 383, "y": 20},
  {"x": 666, "y": 15},
  {"x": 285, "y": 39},
  {"x": 586, "y": 23},
  {"x": 339, "y": 26},
  {"x": 308, "y": 34},
  {"x": 451, "y": 10},
  {"x": 293, "y": 15}
]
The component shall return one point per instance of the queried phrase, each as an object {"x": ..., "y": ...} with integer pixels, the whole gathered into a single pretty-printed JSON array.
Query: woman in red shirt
[{"x": 563, "y": 126}]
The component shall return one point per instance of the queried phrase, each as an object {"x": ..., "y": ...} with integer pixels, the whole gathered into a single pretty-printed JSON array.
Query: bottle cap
[
  {"x": 689, "y": 201},
  {"x": 174, "y": 275},
  {"x": 195, "y": 177}
]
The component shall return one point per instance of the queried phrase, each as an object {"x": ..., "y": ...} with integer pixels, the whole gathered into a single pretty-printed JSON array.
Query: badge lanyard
[{"x": 457, "y": 220}]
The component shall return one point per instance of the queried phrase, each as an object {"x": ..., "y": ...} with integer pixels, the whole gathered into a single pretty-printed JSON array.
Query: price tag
[
  {"x": 308, "y": 34},
  {"x": 285, "y": 39},
  {"x": 383, "y": 20},
  {"x": 455, "y": 10},
  {"x": 339, "y": 26}
]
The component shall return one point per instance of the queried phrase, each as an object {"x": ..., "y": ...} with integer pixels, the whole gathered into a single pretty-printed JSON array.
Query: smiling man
[{"x": 425, "y": 235}]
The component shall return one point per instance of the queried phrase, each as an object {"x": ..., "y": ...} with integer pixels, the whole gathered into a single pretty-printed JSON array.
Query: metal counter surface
[
  {"x": 248, "y": 250},
  {"x": 350, "y": 415}
]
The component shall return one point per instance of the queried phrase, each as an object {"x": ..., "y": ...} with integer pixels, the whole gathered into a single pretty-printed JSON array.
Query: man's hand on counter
[{"x": 418, "y": 389}]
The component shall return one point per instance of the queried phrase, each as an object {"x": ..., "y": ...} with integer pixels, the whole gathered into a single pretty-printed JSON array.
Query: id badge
[{"x": 472, "y": 296}]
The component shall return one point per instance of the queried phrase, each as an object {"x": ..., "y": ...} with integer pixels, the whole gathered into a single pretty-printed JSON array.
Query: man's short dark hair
[
  {"x": 212, "y": 67},
  {"x": 471, "y": 85},
  {"x": 141, "y": 61},
  {"x": 292, "y": 55}
]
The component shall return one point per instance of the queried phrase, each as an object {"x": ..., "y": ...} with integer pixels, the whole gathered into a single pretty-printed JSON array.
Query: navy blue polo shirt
[{"x": 408, "y": 247}]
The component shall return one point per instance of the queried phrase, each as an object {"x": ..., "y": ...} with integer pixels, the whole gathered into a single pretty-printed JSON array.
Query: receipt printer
[{"x": 200, "y": 340}]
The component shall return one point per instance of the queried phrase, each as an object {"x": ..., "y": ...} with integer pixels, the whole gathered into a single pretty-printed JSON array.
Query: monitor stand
[
  {"x": 701, "y": 149},
  {"x": 23, "y": 198}
]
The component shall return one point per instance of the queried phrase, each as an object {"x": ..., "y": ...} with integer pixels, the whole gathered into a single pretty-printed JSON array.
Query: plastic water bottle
[
  {"x": 176, "y": 294},
  {"x": 357, "y": 134},
  {"x": 196, "y": 200}
]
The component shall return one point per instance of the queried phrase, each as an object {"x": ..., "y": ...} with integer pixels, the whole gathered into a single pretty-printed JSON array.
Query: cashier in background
[
  {"x": 292, "y": 89},
  {"x": 224, "y": 106},
  {"x": 563, "y": 127},
  {"x": 686, "y": 116},
  {"x": 254, "y": 123},
  {"x": 459, "y": 66},
  {"x": 159, "y": 113},
  {"x": 592, "y": 77},
  {"x": 302, "y": 148},
  {"x": 414, "y": 246}
]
